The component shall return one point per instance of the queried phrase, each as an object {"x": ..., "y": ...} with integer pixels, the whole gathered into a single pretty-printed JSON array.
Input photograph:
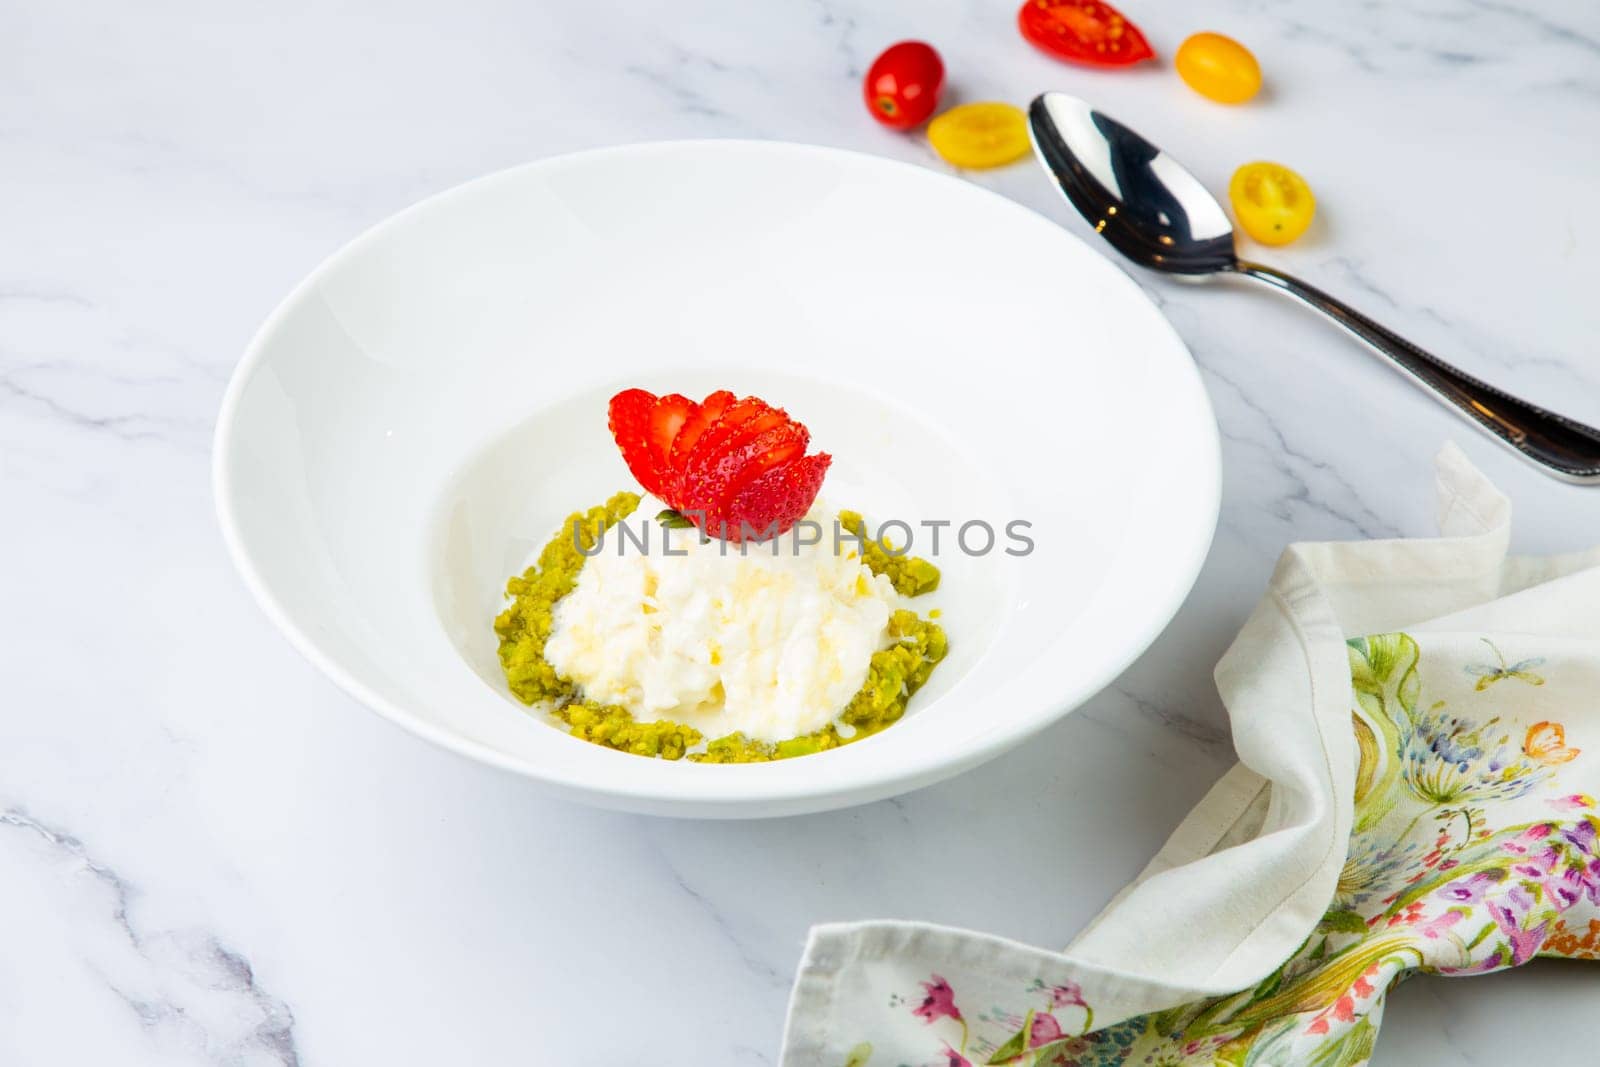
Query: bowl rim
[{"x": 632, "y": 793}]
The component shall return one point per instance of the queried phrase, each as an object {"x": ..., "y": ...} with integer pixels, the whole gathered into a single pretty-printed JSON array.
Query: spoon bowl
[
  {"x": 1160, "y": 216},
  {"x": 1136, "y": 196}
]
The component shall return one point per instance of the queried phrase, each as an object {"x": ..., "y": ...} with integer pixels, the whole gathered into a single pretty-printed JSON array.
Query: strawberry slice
[
  {"x": 732, "y": 431},
  {"x": 755, "y": 449},
  {"x": 667, "y": 416},
  {"x": 707, "y": 412},
  {"x": 733, "y": 416},
  {"x": 644, "y": 426},
  {"x": 629, "y": 421},
  {"x": 716, "y": 436},
  {"x": 779, "y": 497},
  {"x": 717, "y": 403}
]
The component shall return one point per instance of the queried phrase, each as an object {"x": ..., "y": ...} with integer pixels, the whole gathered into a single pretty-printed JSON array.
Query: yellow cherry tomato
[
  {"x": 1272, "y": 202},
  {"x": 1218, "y": 68},
  {"x": 975, "y": 136}
]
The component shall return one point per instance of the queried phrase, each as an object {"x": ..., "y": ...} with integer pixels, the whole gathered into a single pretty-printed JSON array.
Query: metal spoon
[{"x": 1156, "y": 213}]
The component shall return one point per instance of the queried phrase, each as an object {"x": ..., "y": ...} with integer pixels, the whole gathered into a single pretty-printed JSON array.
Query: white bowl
[{"x": 421, "y": 413}]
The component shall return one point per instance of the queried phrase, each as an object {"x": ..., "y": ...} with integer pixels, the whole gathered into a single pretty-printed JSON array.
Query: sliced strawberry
[
  {"x": 761, "y": 452},
  {"x": 720, "y": 432},
  {"x": 705, "y": 414},
  {"x": 727, "y": 435},
  {"x": 630, "y": 426},
  {"x": 667, "y": 417},
  {"x": 774, "y": 501},
  {"x": 717, "y": 403},
  {"x": 729, "y": 463},
  {"x": 754, "y": 450}
]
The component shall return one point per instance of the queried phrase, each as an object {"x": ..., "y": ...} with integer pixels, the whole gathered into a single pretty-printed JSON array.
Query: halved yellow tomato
[
  {"x": 976, "y": 136},
  {"x": 1218, "y": 68},
  {"x": 1272, "y": 202}
]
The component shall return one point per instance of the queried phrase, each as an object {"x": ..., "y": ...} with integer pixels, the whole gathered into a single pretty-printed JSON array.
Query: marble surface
[{"x": 208, "y": 855}]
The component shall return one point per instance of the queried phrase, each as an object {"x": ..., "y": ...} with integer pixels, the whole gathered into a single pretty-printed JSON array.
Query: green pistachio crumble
[
  {"x": 894, "y": 674},
  {"x": 911, "y": 575}
]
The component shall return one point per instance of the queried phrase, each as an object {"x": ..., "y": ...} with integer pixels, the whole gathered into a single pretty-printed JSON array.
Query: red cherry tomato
[
  {"x": 902, "y": 87},
  {"x": 1083, "y": 31}
]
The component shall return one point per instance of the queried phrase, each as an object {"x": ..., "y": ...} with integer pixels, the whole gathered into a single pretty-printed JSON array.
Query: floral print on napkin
[{"x": 1470, "y": 853}]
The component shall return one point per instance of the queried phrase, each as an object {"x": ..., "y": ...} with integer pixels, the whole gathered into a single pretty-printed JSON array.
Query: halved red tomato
[{"x": 1083, "y": 31}]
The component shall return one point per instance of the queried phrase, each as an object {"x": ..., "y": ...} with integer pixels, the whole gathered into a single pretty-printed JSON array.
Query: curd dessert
[{"x": 743, "y": 611}]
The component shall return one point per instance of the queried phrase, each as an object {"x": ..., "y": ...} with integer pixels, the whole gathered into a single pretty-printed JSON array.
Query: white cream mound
[{"x": 773, "y": 646}]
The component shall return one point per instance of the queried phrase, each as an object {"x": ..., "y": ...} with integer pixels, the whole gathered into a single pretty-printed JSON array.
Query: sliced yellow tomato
[
  {"x": 1218, "y": 68},
  {"x": 1272, "y": 202},
  {"x": 975, "y": 136}
]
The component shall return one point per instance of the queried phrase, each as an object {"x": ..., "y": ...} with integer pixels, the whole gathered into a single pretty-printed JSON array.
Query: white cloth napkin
[{"x": 1418, "y": 731}]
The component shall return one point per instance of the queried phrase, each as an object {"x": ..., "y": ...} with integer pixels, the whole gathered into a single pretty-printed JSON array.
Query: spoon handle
[{"x": 1564, "y": 448}]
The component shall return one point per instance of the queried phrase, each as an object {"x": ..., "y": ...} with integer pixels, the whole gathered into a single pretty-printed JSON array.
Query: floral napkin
[{"x": 1418, "y": 730}]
